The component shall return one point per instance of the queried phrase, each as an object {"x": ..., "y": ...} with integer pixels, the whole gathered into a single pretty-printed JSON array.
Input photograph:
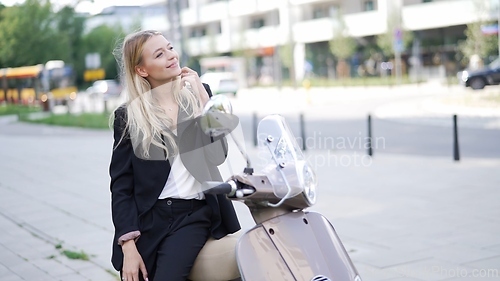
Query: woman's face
[{"x": 160, "y": 62}]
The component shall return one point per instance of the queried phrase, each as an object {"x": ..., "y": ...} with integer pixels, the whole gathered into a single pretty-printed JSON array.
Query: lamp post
[
  {"x": 176, "y": 32},
  {"x": 498, "y": 27}
]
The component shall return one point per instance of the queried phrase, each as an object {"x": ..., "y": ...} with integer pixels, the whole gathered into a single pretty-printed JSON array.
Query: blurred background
[{"x": 68, "y": 45}]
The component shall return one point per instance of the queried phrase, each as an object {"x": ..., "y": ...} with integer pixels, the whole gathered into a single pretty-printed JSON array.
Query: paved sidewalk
[
  {"x": 54, "y": 198},
  {"x": 421, "y": 218}
]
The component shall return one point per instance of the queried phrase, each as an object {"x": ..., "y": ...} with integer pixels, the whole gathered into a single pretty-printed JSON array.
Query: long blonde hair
[{"x": 147, "y": 123}]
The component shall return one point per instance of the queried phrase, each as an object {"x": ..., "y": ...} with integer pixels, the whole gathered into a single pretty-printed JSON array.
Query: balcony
[
  {"x": 359, "y": 25},
  {"x": 366, "y": 23},
  {"x": 313, "y": 30},
  {"x": 207, "y": 44},
  {"x": 439, "y": 14},
  {"x": 266, "y": 5},
  {"x": 213, "y": 12},
  {"x": 301, "y": 2},
  {"x": 157, "y": 22},
  {"x": 242, "y": 7},
  {"x": 189, "y": 17},
  {"x": 266, "y": 36}
]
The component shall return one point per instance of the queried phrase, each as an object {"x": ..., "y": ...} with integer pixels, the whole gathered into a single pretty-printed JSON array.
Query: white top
[{"x": 180, "y": 183}]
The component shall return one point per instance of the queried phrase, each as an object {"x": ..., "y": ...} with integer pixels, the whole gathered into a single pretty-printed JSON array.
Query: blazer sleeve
[
  {"x": 123, "y": 207},
  {"x": 207, "y": 88}
]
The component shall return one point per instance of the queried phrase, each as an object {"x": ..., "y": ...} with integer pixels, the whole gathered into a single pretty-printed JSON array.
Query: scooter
[{"x": 287, "y": 242}]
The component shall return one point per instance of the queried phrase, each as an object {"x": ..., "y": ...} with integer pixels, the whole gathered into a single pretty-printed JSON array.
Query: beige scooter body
[{"x": 294, "y": 246}]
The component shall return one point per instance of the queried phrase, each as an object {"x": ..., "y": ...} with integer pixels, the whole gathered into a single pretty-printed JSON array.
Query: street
[{"x": 400, "y": 123}]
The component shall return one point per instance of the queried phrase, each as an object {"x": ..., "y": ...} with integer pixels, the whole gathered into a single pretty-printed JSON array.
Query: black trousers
[{"x": 176, "y": 230}]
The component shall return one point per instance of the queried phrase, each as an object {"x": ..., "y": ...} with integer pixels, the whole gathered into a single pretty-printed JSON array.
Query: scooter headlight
[{"x": 309, "y": 183}]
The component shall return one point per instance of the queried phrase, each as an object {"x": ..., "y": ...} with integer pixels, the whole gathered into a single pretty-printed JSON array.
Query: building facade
[{"x": 290, "y": 37}]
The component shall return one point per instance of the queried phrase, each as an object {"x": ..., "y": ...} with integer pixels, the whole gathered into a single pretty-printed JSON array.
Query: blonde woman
[{"x": 161, "y": 217}]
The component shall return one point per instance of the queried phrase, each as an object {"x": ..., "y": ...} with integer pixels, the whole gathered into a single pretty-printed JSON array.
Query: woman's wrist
[{"x": 128, "y": 246}]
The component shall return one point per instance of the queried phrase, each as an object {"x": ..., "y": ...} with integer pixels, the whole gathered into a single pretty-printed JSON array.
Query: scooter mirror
[
  {"x": 217, "y": 118},
  {"x": 218, "y": 103}
]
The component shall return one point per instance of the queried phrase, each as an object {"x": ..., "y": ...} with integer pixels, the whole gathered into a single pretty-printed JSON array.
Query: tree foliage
[
  {"x": 71, "y": 25},
  {"x": 34, "y": 33},
  {"x": 103, "y": 39},
  {"x": 477, "y": 43},
  {"x": 342, "y": 46},
  {"x": 385, "y": 41},
  {"x": 28, "y": 36},
  {"x": 286, "y": 55}
]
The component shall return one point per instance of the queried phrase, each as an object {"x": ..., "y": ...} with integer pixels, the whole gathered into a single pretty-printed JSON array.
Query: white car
[{"x": 221, "y": 82}]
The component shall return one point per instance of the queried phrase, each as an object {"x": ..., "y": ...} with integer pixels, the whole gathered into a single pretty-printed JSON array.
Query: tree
[
  {"x": 3, "y": 11},
  {"x": 102, "y": 39},
  {"x": 2, "y": 7},
  {"x": 477, "y": 43},
  {"x": 28, "y": 36},
  {"x": 286, "y": 57},
  {"x": 71, "y": 25},
  {"x": 342, "y": 46},
  {"x": 385, "y": 41}
]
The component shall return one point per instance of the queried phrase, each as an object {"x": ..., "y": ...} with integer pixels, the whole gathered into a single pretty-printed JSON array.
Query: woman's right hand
[{"x": 132, "y": 263}]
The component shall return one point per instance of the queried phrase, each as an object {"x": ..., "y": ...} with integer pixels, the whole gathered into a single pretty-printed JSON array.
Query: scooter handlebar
[{"x": 214, "y": 187}]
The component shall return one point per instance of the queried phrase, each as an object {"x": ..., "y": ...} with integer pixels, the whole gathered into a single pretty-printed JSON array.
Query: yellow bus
[{"x": 38, "y": 83}]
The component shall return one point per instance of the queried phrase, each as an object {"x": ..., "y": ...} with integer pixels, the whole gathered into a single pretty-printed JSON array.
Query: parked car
[
  {"x": 221, "y": 82},
  {"x": 478, "y": 79},
  {"x": 106, "y": 88}
]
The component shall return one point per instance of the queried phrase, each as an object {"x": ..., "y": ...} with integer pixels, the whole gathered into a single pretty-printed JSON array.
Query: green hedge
[
  {"x": 85, "y": 120},
  {"x": 12, "y": 109}
]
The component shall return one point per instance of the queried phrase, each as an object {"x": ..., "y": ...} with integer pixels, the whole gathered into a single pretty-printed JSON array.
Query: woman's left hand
[{"x": 190, "y": 76}]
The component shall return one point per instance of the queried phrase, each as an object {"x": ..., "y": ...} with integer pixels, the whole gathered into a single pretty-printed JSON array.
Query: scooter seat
[{"x": 217, "y": 260}]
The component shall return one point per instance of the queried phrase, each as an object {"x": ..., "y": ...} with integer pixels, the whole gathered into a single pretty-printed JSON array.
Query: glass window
[
  {"x": 369, "y": 5},
  {"x": 218, "y": 28},
  {"x": 198, "y": 32},
  {"x": 257, "y": 23},
  {"x": 320, "y": 12}
]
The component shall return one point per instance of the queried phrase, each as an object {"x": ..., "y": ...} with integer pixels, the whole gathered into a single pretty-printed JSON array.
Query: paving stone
[
  {"x": 94, "y": 274},
  {"x": 4, "y": 271},
  {"x": 431, "y": 269},
  {"x": 404, "y": 279},
  {"x": 11, "y": 277},
  {"x": 368, "y": 272},
  {"x": 460, "y": 254},
  {"x": 377, "y": 256},
  {"x": 75, "y": 265},
  {"x": 29, "y": 271},
  {"x": 9, "y": 259},
  {"x": 495, "y": 248},
  {"x": 488, "y": 264},
  {"x": 75, "y": 277},
  {"x": 52, "y": 266}
]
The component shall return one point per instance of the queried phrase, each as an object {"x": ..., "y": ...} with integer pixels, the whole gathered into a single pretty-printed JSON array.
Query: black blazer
[{"x": 136, "y": 184}]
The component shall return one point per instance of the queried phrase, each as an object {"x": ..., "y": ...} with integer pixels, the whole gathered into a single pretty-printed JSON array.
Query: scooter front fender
[{"x": 294, "y": 246}]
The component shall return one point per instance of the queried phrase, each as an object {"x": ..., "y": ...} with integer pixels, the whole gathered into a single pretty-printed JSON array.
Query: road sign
[
  {"x": 92, "y": 60},
  {"x": 94, "y": 74},
  {"x": 398, "y": 40}
]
